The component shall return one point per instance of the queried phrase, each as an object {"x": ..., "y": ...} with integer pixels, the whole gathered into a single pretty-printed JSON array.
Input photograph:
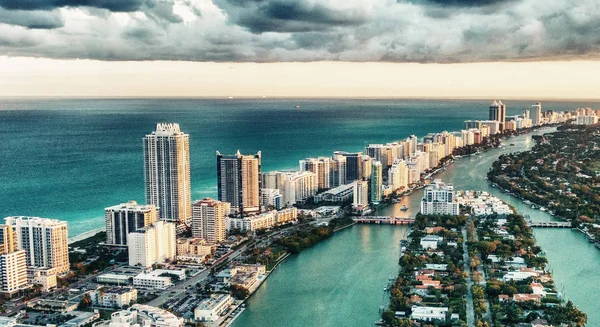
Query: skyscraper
[
  {"x": 376, "y": 182},
  {"x": 125, "y": 218},
  {"x": 536, "y": 114},
  {"x": 13, "y": 263},
  {"x": 167, "y": 172},
  {"x": 439, "y": 199},
  {"x": 353, "y": 165},
  {"x": 238, "y": 181},
  {"x": 45, "y": 241},
  {"x": 360, "y": 194},
  {"x": 320, "y": 167},
  {"x": 498, "y": 113},
  {"x": 208, "y": 219}
]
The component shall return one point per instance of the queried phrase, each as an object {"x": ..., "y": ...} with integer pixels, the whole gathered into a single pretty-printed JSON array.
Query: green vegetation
[{"x": 303, "y": 238}]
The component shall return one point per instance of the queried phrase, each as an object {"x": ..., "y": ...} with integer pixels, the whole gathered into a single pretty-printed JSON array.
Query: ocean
[{"x": 70, "y": 158}]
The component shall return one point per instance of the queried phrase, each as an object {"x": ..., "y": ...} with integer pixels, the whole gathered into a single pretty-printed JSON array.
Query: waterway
[{"x": 339, "y": 282}]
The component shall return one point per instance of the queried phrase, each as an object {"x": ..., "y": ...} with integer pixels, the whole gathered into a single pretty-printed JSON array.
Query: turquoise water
[
  {"x": 335, "y": 283},
  {"x": 338, "y": 282},
  {"x": 71, "y": 158}
]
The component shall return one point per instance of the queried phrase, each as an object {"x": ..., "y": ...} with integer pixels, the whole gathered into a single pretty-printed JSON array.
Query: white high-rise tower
[{"x": 167, "y": 172}]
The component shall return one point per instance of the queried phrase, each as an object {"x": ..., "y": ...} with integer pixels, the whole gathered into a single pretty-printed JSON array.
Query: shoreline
[{"x": 85, "y": 235}]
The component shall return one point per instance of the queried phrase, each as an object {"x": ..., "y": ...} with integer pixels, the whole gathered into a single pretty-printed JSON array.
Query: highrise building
[
  {"x": 125, "y": 218},
  {"x": 13, "y": 263},
  {"x": 360, "y": 194},
  {"x": 321, "y": 168},
  {"x": 167, "y": 172},
  {"x": 238, "y": 181},
  {"x": 376, "y": 182},
  {"x": 498, "y": 113},
  {"x": 208, "y": 219},
  {"x": 398, "y": 174},
  {"x": 152, "y": 244},
  {"x": 439, "y": 199},
  {"x": 536, "y": 114},
  {"x": 8, "y": 241},
  {"x": 367, "y": 163},
  {"x": 44, "y": 240},
  {"x": 353, "y": 165},
  {"x": 298, "y": 186}
]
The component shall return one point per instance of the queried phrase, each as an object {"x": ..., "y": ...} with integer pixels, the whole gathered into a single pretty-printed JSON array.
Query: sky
[{"x": 358, "y": 48}]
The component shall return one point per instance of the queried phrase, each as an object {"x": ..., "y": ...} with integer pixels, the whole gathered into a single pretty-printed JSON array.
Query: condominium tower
[
  {"x": 125, "y": 218},
  {"x": 238, "y": 181},
  {"x": 13, "y": 263},
  {"x": 167, "y": 172},
  {"x": 376, "y": 182},
  {"x": 152, "y": 244},
  {"x": 45, "y": 241},
  {"x": 208, "y": 220},
  {"x": 498, "y": 113},
  {"x": 439, "y": 199}
]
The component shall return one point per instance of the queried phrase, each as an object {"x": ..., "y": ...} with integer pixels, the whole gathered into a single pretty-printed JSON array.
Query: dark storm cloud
[
  {"x": 424, "y": 31},
  {"x": 112, "y": 5},
  {"x": 290, "y": 16},
  {"x": 31, "y": 19}
]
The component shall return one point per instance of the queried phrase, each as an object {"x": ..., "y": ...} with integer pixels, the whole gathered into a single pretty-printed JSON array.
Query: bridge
[
  {"x": 384, "y": 220},
  {"x": 549, "y": 224}
]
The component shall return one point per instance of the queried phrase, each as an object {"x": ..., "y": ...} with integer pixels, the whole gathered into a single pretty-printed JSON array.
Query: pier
[
  {"x": 385, "y": 220},
  {"x": 549, "y": 224}
]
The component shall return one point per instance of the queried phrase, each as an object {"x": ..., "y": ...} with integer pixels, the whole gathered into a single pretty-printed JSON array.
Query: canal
[{"x": 340, "y": 282}]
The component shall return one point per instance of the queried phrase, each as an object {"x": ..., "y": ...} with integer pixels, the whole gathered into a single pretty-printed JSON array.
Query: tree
[{"x": 86, "y": 301}]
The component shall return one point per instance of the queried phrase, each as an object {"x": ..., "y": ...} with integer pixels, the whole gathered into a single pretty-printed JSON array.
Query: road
[{"x": 469, "y": 298}]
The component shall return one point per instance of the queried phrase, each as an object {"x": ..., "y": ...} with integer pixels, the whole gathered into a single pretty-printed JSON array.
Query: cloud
[
  {"x": 32, "y": 19},
  {"x": 112, "y": 5},
  {"x": 302, "y": 30}
]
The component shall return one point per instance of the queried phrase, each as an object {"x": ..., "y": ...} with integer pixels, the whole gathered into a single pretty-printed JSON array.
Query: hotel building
[
  {"x": 208, "y": 219},
  {"x": 125, "y": 218},
  {"x": 238, "y": 181},
  {"x": 152, "y": 244},
  {"x": 167, "y": 172},
  {"x": 44, "y": 240}
]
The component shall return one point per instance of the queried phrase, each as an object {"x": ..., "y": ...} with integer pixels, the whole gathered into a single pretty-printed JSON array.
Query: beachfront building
[
  {"x": 376, "y": 182},
  {"x": 44, "y": 240},
  {"x": 439, "y": 199},
  {"x": 321, "y": 167},
  {"x": 298, "y": 186},
  {"x": 167, "y": 172},
  {"x": 13, "y": 264},
  {"x": 152, "y": 244},
  {"x": 498, "y": 113},
  {"x": 361, "y": 194},
  {"x": 211, "y": 308},
  {"x": 398, "y": 175},
  {"x": 238, "y": 181},
  {"x": 208, "y": 219},
  {"x": 352, "y": 164},
  {"x": 535, "y": 111},
  {"x": 125, "y": 218},
  {"x": 271, "y": 198}
]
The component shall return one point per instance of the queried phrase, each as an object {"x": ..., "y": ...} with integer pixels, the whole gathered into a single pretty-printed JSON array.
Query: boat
[
  {"x": 297, "y": 106},
  {"x": 512, "y": 144},
  {"x": 543, "y": 209},
  {"x": 404, "y": 208}
]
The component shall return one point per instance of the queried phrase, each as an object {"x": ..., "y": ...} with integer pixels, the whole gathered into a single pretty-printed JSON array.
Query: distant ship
[
  {"x": 404, "y": 208},
  {"x": 297, "y": 106}
]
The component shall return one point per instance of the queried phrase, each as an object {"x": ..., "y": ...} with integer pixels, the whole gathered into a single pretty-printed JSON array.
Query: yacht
[{"x": 404, "y": 208}]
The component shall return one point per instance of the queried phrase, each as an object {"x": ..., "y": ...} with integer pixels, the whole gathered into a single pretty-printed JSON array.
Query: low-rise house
[
  {"x": 157, "y": 279},
  {"x": 428, "y": 313},
  {"x": 116, "y": 297},
  {"x": 527, "y": 297},
  {"x": 210, "y": 309},
  {"x": 431, "y": 241},
  {"x": 111, "y": 278}
]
